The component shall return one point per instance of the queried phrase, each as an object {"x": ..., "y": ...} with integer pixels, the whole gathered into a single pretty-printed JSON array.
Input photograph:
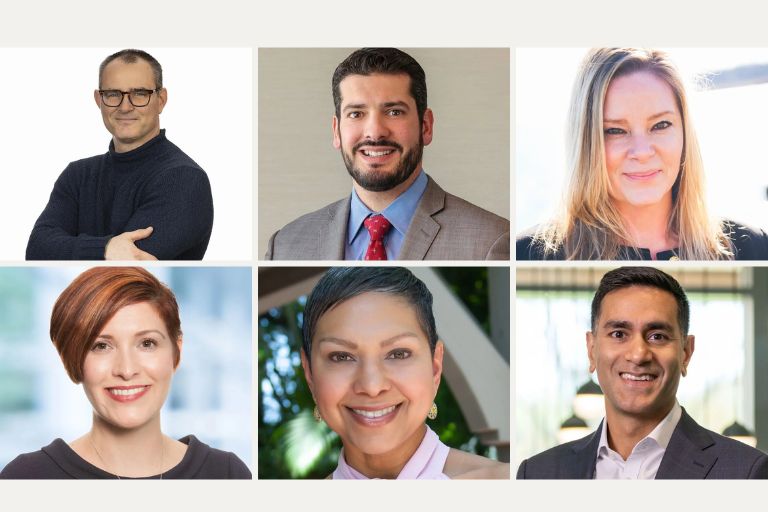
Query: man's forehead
[
  {"x": 120, "y": 70},
  {"x": 638, "y": 303},
  {"x": 394, "y": 86}
]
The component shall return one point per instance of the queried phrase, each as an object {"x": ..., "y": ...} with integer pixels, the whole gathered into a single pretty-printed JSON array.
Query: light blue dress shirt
[{"x": 399, "y": 213}]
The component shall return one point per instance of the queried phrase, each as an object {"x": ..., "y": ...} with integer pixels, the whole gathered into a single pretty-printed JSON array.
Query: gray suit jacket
[
  {"x": 693, "y": 453},
  {"x": 444, "y": 227}
]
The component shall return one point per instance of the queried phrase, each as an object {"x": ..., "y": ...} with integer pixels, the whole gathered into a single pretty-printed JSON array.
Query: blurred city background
[
  {"x": 211, "y": 392},
  {"x": 471, "y": 307}
]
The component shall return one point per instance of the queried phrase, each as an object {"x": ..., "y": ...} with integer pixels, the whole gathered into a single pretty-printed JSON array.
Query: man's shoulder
[
  {"x": 463, "y": 211},
  {"x": 298, "y": 238},
  {"x": 463, "y": 230},
  {"x": 552, "y": 463},
  {"x": 309, "y": 221},
  {"x": 172, "y": 156}
]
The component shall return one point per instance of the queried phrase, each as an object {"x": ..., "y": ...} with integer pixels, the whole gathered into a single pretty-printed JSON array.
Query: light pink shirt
[
  {"x": 426, "y": 463},
  {"x": 645, "y": 459}
]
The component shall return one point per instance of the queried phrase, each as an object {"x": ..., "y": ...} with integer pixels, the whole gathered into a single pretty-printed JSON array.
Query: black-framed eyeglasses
[{"x": 137, "y": 97}]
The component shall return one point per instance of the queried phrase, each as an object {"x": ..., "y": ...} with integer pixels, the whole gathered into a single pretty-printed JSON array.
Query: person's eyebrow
[
  {"x": 617, "y": 324},
  {"x": 352, "y": 345},
  {"x": 354, "y": 106},
  {"x": 654, "y": 116},
  {"x": 390, "y": 104},
  {"x": 659, "y": 326},
  {"x": 337, "y": 341},
  {"x": 150, "y": 331},
  {"x": 397, "y": 337},
  {"x": 137, "y": 334}
]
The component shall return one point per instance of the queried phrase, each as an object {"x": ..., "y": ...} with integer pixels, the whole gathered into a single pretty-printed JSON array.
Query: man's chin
[{"x": 377, "y": 180}]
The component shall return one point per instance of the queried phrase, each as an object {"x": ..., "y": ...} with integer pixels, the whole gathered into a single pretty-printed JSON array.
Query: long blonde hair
[{"x": 590, "y": 227}]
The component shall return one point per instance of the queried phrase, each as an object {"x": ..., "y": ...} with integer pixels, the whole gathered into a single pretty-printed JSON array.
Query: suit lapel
[
  {"x": 686, "y": 456},
  {"x": 331, "y": 236},
  {"x": 584, "y": 457},
  {"x": 423, "y": 229}
]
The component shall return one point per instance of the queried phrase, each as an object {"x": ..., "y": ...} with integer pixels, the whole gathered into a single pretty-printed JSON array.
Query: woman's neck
[
  {"x": 385, "y": 465},
  {"x": 648, "y": 226},
  {"x": 138, "y": 452}
]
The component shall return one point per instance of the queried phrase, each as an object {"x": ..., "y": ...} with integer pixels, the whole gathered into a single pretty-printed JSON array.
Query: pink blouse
[{"x": 426, "y": 463}]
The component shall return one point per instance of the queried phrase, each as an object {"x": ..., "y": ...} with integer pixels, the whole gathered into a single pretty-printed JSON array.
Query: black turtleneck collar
[{"x": 147, "y": 150}]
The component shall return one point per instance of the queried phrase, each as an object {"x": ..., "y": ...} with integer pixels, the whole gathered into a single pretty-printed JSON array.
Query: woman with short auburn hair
[
  {"x": 118, "y": 332},
  {"x": 637, "y": 180}
]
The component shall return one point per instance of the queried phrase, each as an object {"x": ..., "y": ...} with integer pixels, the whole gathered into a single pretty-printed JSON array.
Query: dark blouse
[
  {"x": 59, "y": 461},
  {"x": 748, "y": 244}
]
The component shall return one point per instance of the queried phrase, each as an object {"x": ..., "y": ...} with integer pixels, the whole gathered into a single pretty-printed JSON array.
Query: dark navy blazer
[{"x": 693, "y": 453}]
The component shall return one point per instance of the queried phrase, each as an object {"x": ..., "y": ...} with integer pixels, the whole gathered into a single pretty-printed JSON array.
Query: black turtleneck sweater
[{"x": 104, "y": 196}]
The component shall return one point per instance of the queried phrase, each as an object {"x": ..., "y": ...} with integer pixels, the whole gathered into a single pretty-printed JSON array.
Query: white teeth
[
  {"x": 377, "y": 153},
  {"x": 629, "y": 376},
  {"x": 127, "y": 392},
  {"x": 374, "y": 414}
]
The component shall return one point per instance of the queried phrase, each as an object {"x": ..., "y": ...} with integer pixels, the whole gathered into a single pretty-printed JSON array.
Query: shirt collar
[
  {"x": 399, "y": 213},
  {"x": 661, "y": 434}
]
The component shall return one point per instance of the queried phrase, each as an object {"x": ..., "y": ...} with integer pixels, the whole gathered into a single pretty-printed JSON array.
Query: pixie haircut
[
  {"x": 388, "y": 61},
  {"x": 625, "y": 277},
  {"x": 93, "y": 298},
  {"x": 130, "y": 56},
  {"x": 340, "y": 284}
]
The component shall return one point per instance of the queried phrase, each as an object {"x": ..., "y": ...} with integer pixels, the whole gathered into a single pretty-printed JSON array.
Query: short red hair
[{"x": 85, "y": 306}]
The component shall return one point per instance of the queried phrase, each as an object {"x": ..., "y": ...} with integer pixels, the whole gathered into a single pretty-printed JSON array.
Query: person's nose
[
  {"x": 371, "y": 378},
  {"x": 641, "y": 147},
  {"x": 125, "y": 365},
  {"x": 125, "y": 104},
  {"x": 376, "y": 126},
  {"x": 638, "y": 351}
]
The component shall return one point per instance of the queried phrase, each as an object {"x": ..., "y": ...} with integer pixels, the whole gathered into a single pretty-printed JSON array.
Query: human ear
[
  {"x": 336, "y": 134},
  {"x": 590, "y": 351},
  {"x": 427, "y": 125},
  {"x": 307, "y": 371},
  {"x": 437, "y": 364},
  {"x": 97, "y": 97},
  {"x": 162, "y": 97},
  {"x": 690, "y": 342},
  {"x": 179, "y": 344}
]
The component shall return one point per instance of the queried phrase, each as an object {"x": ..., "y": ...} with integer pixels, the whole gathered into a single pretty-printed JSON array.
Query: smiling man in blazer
[
  {"x": 640, "y": 346},
  {"x": 396, "y": 211}
]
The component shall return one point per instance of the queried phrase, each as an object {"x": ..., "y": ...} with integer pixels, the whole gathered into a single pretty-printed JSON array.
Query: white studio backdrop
[{"x": 49, "y": 119}]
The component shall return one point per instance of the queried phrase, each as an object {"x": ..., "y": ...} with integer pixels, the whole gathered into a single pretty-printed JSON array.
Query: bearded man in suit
[
  {"x": 381, "y": 125},
  {"x": 639, "y": 345}
]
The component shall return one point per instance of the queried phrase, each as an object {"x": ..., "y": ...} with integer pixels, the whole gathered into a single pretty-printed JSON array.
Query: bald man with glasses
[{"x": 144, "y": 199}]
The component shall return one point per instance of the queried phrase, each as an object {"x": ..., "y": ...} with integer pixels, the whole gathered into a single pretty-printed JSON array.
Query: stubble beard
[{"x": 375, "y": 180}]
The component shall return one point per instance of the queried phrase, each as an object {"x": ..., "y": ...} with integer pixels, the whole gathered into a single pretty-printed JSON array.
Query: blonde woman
[{"x": 637, "y": 179}]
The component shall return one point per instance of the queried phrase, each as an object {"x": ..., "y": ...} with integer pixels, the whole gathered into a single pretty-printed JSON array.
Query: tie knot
[{"x": 377, "y": 226}]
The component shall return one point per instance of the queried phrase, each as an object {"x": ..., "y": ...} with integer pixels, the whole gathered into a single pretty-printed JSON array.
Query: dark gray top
[{"x": 59, "y": 461}]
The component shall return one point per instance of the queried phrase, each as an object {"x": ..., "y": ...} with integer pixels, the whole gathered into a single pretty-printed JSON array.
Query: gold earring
[
  {"x": 316, "y": 414},
  {"x": 432, "y": 414}
]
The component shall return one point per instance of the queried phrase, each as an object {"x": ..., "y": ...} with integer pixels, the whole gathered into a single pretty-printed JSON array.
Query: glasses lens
[
  {"x": 140, "y": 97},
  {"x": 111, "y": 98}
]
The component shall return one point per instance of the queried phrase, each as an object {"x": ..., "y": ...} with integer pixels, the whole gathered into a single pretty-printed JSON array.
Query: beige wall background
[{"x": 300, "y": 171}]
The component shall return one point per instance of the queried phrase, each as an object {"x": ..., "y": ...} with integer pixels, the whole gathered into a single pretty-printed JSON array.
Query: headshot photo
[
  {"x": 423, "y": 135},
  {"x": 632, "y": 373},
  {"x": 165, "y": 373},
  {"x": 641, "y": 161},
  {"x": 138, "y": 165},
  {"x": 384, "y": 373}
]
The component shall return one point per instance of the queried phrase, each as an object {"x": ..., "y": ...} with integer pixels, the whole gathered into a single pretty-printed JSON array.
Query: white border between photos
[{"x": 346, "y": 23}]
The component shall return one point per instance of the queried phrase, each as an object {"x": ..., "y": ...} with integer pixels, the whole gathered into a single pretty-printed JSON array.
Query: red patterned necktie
[{"x": 377, "y": 227}]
